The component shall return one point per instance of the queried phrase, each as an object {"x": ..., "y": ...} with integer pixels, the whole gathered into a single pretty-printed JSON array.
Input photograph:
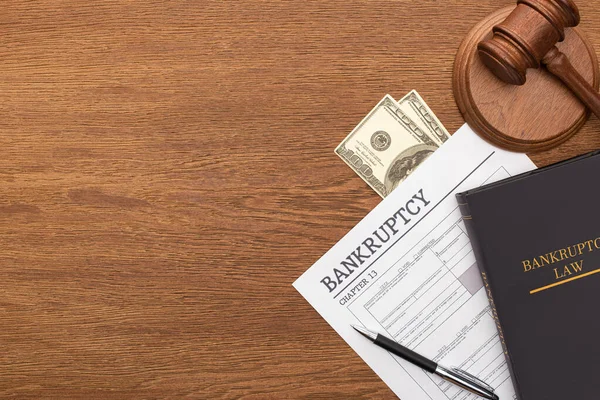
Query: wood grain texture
[{"x": 168, "y": 171}]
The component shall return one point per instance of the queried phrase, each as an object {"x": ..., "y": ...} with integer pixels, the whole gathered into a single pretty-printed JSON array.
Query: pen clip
[{"x": 467, "y": 375}]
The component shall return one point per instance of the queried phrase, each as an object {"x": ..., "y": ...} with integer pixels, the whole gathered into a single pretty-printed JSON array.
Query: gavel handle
[{"x": 558, "y": 64}]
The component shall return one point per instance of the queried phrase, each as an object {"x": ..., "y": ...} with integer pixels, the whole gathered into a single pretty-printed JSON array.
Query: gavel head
[{"x": 526, "y": 36}]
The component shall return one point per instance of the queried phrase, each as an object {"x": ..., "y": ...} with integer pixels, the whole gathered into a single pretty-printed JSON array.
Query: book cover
[{"x": 536, "y": 238}]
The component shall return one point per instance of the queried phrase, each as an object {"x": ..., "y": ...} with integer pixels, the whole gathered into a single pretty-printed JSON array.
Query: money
[
  {"x": 392, "y": 141},
  {"x": 416, "y": 108}
]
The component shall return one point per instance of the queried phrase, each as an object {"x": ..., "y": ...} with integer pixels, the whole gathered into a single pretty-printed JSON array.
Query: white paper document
[{"x": 407, "y": 271}]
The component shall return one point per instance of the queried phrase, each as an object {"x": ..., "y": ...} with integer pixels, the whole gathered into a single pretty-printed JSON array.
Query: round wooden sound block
[{"x": 539, "y": 115}]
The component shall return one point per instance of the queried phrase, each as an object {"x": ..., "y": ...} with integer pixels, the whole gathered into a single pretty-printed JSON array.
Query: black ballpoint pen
[{"x": 456, "y": 376}]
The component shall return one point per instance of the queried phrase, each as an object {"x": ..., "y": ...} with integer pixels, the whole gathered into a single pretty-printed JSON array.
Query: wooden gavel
[{"x": 527, "y": 39}]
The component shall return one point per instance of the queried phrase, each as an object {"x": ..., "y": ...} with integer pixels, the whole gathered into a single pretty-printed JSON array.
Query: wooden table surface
[{"x": 167, "y": 172}]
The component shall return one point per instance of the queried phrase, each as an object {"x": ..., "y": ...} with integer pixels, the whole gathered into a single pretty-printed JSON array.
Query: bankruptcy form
[{"x": 407, "y": 270}]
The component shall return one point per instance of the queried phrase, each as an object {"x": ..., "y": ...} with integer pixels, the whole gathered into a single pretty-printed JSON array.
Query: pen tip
[{"x": 365, "y": 332}]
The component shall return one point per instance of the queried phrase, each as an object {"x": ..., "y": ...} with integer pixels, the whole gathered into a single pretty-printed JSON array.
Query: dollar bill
[
  {"x": 389, "y": 144},
  {"x": 415, "y": 107}
]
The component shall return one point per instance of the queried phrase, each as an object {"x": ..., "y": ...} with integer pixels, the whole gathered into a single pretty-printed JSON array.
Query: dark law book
[{"x": 536, "y": 238}]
